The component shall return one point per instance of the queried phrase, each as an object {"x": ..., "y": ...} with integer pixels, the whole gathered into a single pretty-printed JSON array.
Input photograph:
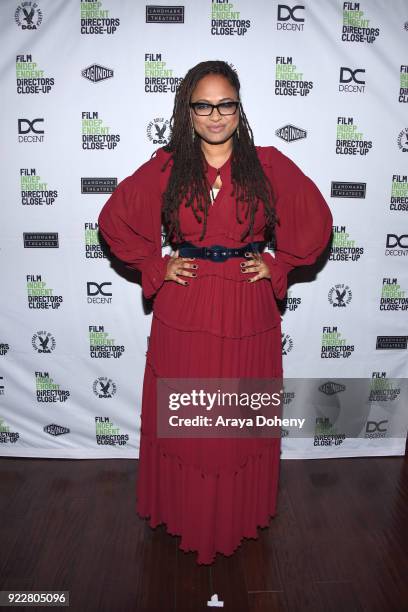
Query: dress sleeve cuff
[
  {"x": 153, "y": 271},
  {"x": 279, "y": 274}
]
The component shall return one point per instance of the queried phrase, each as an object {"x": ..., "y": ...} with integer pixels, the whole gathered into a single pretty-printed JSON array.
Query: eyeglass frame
[{"x": 236, "y": 102}]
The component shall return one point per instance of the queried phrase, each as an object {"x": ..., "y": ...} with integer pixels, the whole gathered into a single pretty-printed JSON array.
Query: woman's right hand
[{"x": 178, "y": 266}]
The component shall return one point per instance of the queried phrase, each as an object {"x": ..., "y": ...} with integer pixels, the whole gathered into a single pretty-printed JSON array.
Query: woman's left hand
[{"x": 255, "y": 263}]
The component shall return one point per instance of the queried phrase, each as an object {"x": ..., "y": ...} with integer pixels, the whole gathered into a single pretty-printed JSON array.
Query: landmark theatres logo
[
  {"x": 43, "y": 342},
  {"x": 95, "y": 19},
  {"x": 28, "y": 126},
  {"x": 351, "y": 81},
  {"x": 28, "y": 15},
  {"x": 164, "y": 14},
  {"x": 40, "y": 240},
  {"x": 290, "y": 133},
  {"x": 290, "y": 18},
  {"x": 347, "y": 189},
  {"x": 399, "y": 192},
  {"x": 98, "y": 185},
  {"x": 391, "y": 342},
  {"x": 158, "y": 131},
  {"x": 340, "y": 295},
  {"x": 30, "y": 79},
  {"x": 288, "y": 81},
  {"x": 104, "y": 387},
  {"x": 96, "y": 73},
  {"x": 56, "y": 430},
  {"x": 356, "y": 27}
]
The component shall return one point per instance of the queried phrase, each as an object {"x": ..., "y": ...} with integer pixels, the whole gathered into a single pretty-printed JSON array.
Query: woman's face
[{"x": 214, "y": 128}]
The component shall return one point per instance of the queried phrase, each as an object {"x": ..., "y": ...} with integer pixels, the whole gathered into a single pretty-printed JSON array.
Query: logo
[
  {"x": 333, "y": 345},
  {"x": 158, "y": 77},
  {"x": 382, "y": 389},
  {"x": 96, "y": 73},
  {"x": 40, "y": 240},
  {"x": 376, "y": 429},
  {"x": 351, "y": 81},
  {"x": 4, "y": 348},
  {"x": 107, "y": 433},
  {"x": 6, "y": 435},
  {"x": 43, "y": 342},
  {"x": 226, "y": 21},
  {"x": 290, "y": 18},
  {"x": 290, "y": 133},
  {"x": 158, "y": 131},
  {"x": 342, "y": 247},
  {"x": 104, "y": 387},
  {"x": 39, "y": 295},
  {"x": 403, "y": 92},
  {"x": 287, "y": 344},
  {"x": 164, "y": 14},
  {"x": 348, "y": 140},
  {"x": 331, "y": 388},
  {"x": 47, "y": 391},
  {"x": 403, "y": 140},
  {"x": 391, "y": 342},
  {"x": 98, "y": 185},
  {"x": 25, "y": 127},
  {"x": 30, "y": 79},
  {"x": 93, "y": 248},
  {"x": 56, "y": 430},
  {"x": 101, "y": 346},
  {"x": 288, "y": 81},
  {"x": 93, "y": 289},
  {"x": 95, "y": 19},
  {"x": 399, "y": 192},
  {"x": 291, "y": 302},
  {"x": 340, "y": 295},
  {"x": 326, "y": 434},
  {"x": 356, "y": 27},
  {"x": 392, "y": 296},
  {"x": 396, "y": 246},
  {"x": 28, "y": 15},
  {"x": 96, "y": 135},
  {"x": 34, "y": 192},
  {"x": 342, "y": 189}
]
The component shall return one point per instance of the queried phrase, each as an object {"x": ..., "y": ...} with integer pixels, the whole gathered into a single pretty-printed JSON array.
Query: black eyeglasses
[{"x": 205, "y": 108}]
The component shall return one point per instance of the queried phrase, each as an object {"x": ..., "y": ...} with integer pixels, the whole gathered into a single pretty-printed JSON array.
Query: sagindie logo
[
  {"x": 97, "y": 73},
  {"x": 31, "y": 130},
  {"x": 291, "y": 133},
  {"x": 28, "y": 15}
]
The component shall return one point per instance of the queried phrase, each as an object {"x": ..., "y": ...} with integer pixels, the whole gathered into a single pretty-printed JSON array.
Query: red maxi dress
[{"x": 210, "y": 491}]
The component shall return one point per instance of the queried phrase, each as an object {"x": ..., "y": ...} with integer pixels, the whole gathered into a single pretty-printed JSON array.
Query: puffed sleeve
[
  {"x": 130, "y": 222},
  {"x": 305, "y": 220}
]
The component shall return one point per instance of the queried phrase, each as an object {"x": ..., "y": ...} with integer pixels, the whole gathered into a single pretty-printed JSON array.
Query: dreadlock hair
[{"x": 188, "y": 182}]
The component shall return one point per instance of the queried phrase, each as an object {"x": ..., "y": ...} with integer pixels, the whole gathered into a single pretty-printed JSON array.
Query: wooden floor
[{"x": 339, "y": 542}]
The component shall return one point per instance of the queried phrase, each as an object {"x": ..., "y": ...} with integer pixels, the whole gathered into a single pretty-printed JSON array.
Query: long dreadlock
[{"x": 188, "y": 182}]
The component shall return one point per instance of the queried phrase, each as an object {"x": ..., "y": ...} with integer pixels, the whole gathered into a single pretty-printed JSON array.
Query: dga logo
[
  {"x": 95, "y": 135},
  {"x": 40, "y": 240},
  {"x": 289, "y": 82},
  {"x": 95, "y": 289},
  {"x": 352, "y": 81},
  {"x": 28, "y": 15},
  {"x": 101, "y": 346},
  {"x": 97, "y": 73},
  {"x": 376, "y": 429},
  {"x": 31, "y": 130},
  {"x": 4, "y": 348},
  {"x": 158, "y": 131},
  {"x": 47, "y": 391},
  {"x": 6, "y": 435},
  {"x": 343, "y": 189},
  {"x": 30, "y": 79},
  {"x": 287, "y": 344},
  {"x": 95, "y": 19},
  {"x": 290, "y": 18},
  {"x": 356, "y": 26},
  {"x": 34, "y": 192},
  {"x": 392, "y": 296},
  {"x": 291, "y": 302},
  {"x": 104, "y": 387},
  {"x": 349, "y": 141},
  {"x": 56, "y": 430},
  {"x": 399, "y": 192},
  {"x": 391, "y": 342},
  {"x": 159, "y": 78},
  {"x": 331, "y": 388},
  {"x": 290, "y": 133},
  {"x": 382, "y": 389},
  {"x": 107, "y": 433},
  {"x": 342, "y": 248},
  {"x": 39, "y": 295},
  {"x": 403, "y": 92},
  {"x": 226, "y": 21},
  {"x": 326, "y": 434},
  {"x": 333, "y": 345},
  {"x": 93, "y": 248},
  {"x": 164, "y": 14},
  {"x": 396, "y": 245},
  {"x": 403, "y": 140},
  {"x": 98, "y": 185},
  {"x": 43, "y": 342},
  {"x": 340, "y": 295}
]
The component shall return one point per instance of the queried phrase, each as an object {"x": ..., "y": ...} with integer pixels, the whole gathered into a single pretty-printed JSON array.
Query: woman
[{"x": 214, "y": 313}]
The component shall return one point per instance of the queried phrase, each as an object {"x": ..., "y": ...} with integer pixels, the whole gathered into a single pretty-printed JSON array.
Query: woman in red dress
[{"x": 212, "y": 318}]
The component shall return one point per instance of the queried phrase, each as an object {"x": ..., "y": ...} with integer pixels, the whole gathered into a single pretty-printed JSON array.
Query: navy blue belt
[{"x": 217, "y": 252}]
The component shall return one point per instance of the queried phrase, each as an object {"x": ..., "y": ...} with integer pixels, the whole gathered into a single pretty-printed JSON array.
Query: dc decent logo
[
  {"x": 352, "y": 80},
  {"x": 31, "y": 130},
  {"x": 95, "y": 289},
  {"x": 396, "y": 245},
  {"x": 287, "y": 15}
]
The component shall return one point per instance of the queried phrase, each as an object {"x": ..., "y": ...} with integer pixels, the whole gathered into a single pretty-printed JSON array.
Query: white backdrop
[{"x": 70, "y": 70}]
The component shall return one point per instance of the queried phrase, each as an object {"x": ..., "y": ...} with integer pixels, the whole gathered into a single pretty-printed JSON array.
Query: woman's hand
[
  {"x": 256, "y": 264},
  {"x": 178, "y": 266}
]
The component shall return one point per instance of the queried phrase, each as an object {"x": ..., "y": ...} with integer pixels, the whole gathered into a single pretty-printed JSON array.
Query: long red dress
[{"x": 212, "y": 492}]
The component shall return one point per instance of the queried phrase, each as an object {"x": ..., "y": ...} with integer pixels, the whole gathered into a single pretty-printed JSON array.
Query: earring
[
  {"x": 238, "y": 132},
  {"x": 192, "y": 133}
]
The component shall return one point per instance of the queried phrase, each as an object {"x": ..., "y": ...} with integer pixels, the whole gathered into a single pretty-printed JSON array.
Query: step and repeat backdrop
[{"x": 87, "y": 96}]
